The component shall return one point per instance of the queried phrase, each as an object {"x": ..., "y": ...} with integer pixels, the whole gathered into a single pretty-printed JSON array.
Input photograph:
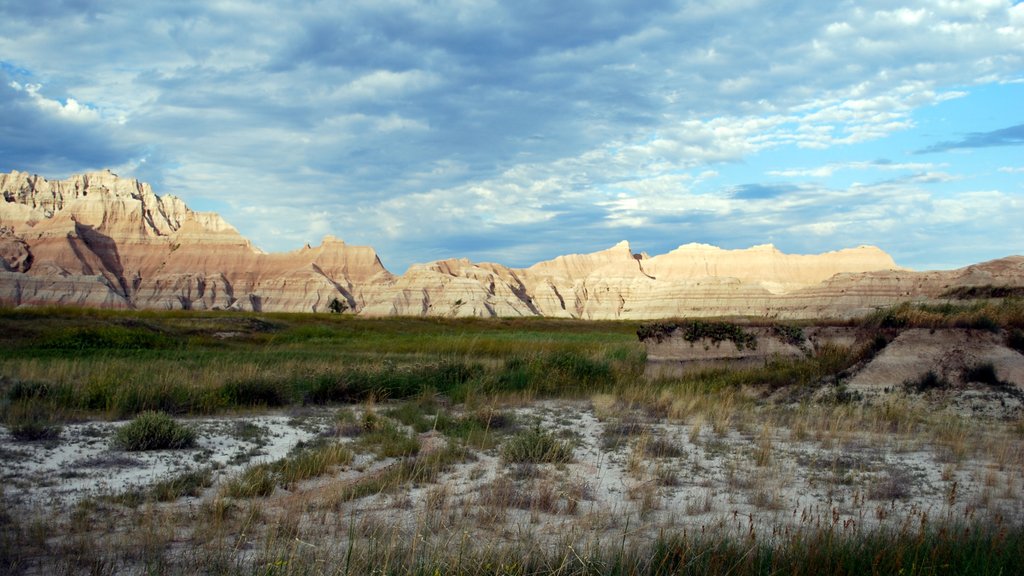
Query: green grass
[{"x": 116, "y": 364}]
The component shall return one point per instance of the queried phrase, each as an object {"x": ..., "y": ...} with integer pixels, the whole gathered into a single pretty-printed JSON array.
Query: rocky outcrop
[{"x": 100, "y": 240}]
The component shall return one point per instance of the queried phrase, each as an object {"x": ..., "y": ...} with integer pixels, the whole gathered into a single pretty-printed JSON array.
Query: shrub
[
  {"x": 387, "y": 440},
  {"x": 536, "y": 446},
  {"x": 108, "y": 338},
  {"x": 35, "y": 429},
  {"x": 190, "y": 483},
  {"x": 153, "y": 431},
  {"x": 695, "y": 330},
  {"x": 31, "y": 421},
  {"x": 927, "y": 381},
  {"x": 256, "y": 392},
  {"x": 790, "y": 334},
  {"x": 258, "y": 480},
  {"x": 1015, "y": 340},
  {"x": 984, "y": 373}
]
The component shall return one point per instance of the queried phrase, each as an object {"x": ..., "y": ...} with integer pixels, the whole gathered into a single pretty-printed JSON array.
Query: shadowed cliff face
[{"x": 100, "y": 240}]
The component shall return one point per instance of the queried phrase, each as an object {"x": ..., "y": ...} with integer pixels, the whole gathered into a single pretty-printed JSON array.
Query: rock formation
[{"x": 100, "y": 240}]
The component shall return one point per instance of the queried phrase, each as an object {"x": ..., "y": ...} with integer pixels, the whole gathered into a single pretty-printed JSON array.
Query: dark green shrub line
[
  {"x": 394, "y": 382},
  {"x": 696, "y": 330},
  {"x": 790, "y": 334},
  {"x": 108, "y": 338}
]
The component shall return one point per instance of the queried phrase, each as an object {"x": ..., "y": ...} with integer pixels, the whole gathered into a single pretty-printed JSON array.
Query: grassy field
[
  {"x": 77, "y": 363},
  {"x": 372, "y": 493}
]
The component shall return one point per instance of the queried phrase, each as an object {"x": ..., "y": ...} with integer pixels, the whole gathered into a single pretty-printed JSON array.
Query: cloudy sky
[{"x": 514, "y": 131}]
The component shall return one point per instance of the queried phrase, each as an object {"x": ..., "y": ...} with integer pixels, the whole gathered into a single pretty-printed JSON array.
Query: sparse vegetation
[
  {"x": 303, "y": 463},
  {"x": 189, "y": 483},
  {"x": 701, "y": 462},
  {"x": 987, "y": 291},
  {"x": 992, "y": 316}
]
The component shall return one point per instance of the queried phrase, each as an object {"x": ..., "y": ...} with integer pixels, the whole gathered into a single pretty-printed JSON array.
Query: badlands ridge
[{"x": 103, "y": 241}]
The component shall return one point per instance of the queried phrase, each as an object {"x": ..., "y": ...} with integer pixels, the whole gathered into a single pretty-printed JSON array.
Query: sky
[{"x": 517, "y": 131}]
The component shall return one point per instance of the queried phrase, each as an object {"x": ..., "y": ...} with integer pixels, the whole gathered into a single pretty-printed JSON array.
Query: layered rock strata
[{"x": 100, "y": 240}]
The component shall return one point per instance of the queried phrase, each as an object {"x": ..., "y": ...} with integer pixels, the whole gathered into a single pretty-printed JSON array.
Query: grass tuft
[
  {"x": 536, "y": 446},
  {"x": 31, "y": 422},
  {"x": 153, "y": 431}
]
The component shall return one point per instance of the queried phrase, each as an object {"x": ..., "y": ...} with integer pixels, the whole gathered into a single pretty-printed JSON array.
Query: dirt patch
[
  {"x": 82, "y": 462},
  {"x": 942, "y": 366}
]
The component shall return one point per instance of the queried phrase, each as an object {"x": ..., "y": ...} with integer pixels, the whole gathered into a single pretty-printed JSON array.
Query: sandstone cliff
[{"x": 100, "y": 240}]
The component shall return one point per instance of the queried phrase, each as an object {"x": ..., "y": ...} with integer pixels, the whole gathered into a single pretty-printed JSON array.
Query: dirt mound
[{"x": 967, "y": 370}]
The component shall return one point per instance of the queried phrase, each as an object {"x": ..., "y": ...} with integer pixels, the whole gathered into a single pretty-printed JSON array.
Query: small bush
[
  {"x": 659, "y": 447},
  {"x": 387, "y": 440},
  {"x": 256, "y": 392},
  {"x": 984, "y": 373},
  {"x": 31, "y": 422},
  {"x": 1015, "y": 340},
  {"x": 258, "y": 480},
  {"x": 189, "y": 483},
  {"x": 790, "y": 334},
  {"x": 536, "y": 446},
  {"x": 310, "y": 462},
  {"x": 153, "y": 431},
  {"x": 927, "y": 381}
]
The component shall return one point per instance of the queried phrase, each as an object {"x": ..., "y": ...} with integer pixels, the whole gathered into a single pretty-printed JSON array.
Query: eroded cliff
[{"x": 100, "y": 240}]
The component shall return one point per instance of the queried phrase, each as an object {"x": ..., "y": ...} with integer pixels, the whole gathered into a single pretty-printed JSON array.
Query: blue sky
[{"x": 517, "y": 131}]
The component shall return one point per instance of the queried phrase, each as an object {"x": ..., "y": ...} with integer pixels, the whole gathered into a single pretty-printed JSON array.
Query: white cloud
[
  {"x": 71, "y": 109},
  {"x": 830, "y": 169},
  {"x": 382, "y": 84}
]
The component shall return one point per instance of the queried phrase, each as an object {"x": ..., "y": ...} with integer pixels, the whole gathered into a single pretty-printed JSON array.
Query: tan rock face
[{"x": 100, "y": 240}]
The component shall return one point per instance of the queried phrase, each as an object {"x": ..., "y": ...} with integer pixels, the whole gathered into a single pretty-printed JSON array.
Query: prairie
[{"x": 309, "y": 444}]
